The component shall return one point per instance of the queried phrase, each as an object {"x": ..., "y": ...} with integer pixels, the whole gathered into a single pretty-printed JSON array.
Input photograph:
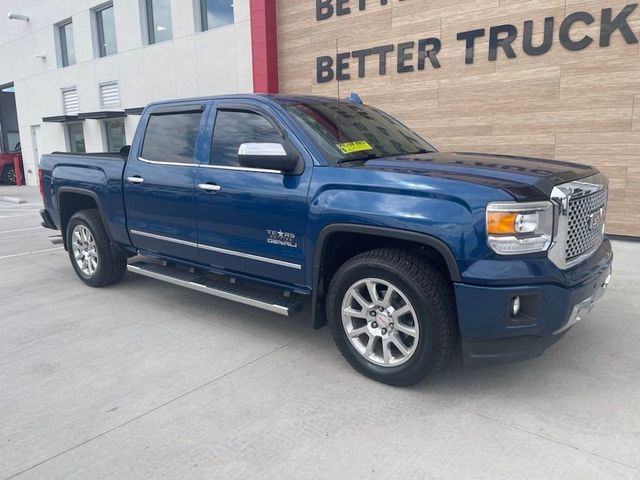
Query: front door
[
  {"x": 250, "y": 221},
  {"x": 159, "y": 182}
]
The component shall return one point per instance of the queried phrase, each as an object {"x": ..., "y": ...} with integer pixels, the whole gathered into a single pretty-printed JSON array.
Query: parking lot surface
[{"x": 148, "y": 380}]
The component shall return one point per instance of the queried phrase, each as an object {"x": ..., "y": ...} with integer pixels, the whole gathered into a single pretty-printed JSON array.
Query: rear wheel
[
  {"x": 391, "y": 315},
  {"x": 9, "y": 175},
  {"x": 90, "y": 250}
]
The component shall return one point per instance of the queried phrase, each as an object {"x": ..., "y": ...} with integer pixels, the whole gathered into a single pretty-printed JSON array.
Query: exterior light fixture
[
  {"x": 515, "y": 306},
  {"x": 17, "y": 16}
]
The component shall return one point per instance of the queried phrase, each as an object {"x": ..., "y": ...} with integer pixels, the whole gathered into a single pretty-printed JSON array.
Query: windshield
[{"x": 346, "y": 132}]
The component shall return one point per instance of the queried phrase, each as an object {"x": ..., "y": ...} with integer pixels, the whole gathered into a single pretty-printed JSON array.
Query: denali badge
[
  {"x": 595, "y": 219},
  {"x": 278, "y": 237}
]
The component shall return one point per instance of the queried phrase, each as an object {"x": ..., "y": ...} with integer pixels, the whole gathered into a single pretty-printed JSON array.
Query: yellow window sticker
[{"x": 351, "y": 147}]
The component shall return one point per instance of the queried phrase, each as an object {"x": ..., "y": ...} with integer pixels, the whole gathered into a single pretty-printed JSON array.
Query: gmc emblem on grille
[{"x": 595, "y": 219}]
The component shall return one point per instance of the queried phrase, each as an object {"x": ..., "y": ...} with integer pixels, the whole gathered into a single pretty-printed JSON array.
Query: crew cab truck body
[{"x": 403, "y": 249}]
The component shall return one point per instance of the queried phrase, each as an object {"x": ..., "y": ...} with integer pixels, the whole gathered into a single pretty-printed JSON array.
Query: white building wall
[{"x": 193, "y": 63}]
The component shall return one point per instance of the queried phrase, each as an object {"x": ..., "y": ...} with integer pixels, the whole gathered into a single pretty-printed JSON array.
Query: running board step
[
  {"x": 55, "y": 239},
  {"x": 273, "y": 302}
]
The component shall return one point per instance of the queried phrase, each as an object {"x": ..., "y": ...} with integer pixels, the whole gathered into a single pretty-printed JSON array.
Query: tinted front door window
[{"x": 234, "y": 127}]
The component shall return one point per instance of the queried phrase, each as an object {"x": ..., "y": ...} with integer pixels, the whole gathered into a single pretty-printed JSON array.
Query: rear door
[
  {"x": 253, "y": 221},
  {"x": 159, "y": 180}
]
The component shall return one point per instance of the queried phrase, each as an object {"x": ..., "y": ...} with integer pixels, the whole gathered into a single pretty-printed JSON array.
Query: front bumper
[
  {"x": 491, "y": 334},
  {"x": 506, "y": 350}
]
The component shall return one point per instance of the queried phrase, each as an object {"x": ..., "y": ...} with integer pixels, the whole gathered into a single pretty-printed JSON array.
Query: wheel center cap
[{"x": 382, "y": 320}]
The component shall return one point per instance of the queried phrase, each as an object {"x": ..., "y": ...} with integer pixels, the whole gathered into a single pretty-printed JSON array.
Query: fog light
[{"x": 515, "y": 306}]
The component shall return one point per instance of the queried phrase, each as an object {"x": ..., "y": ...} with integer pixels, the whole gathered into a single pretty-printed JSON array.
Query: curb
[{"x": 12, "y": 200}]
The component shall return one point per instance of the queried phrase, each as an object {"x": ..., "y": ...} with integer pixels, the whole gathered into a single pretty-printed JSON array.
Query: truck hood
[{"x": 525, "y": 178}]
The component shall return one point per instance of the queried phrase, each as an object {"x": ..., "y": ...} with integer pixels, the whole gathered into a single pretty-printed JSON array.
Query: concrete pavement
[{"x": 147, "y": 380}]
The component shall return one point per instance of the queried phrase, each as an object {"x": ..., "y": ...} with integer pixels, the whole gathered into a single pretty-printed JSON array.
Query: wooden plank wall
[{"x": 572, "y": 105}]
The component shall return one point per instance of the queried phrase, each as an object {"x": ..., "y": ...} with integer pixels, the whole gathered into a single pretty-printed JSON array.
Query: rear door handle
[
  {"x": 135, "y": 179},
  {"x": 209, "y": 187}
]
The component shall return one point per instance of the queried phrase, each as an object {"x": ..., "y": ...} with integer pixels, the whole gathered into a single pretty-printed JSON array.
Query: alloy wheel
[
  {"x": 85, "y": 251},
  {"x": 380, "y": 322}
]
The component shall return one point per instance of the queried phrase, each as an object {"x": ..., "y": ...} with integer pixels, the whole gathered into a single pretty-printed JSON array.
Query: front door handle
[
  {"x": 137, "y": 179},
  {"x": 209, "y": 187}
]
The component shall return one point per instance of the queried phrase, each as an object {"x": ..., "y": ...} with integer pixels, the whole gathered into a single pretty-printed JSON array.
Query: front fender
[
  {"x": 450, "y": 221},
  {"x": 445, "y": 214},
  {"x": 448, "y": 210}
]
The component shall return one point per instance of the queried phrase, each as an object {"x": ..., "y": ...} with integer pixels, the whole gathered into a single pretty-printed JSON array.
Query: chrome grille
[
  {"x": 586, "y": 222},
  {"x": 580, "y": 214}
]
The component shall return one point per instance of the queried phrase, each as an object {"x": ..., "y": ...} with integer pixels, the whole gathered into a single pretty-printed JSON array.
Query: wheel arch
[
  {"x": 72, "y": 200},
  {"x": 369, "y": 237}
]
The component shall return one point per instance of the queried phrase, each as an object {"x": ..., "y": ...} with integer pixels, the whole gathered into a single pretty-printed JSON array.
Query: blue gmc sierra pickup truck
[{"x": 404, "y": 250}]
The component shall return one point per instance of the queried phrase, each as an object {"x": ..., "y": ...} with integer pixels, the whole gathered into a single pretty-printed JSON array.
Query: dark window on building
[
  {"x": 171, "y": 137},
  {"x": 234, "y": 127},
  {"x": 158, "y": 20},
  {"x": 65, "y": 37},
  {"x": 75, "y": 134},
  {"x": 216, "y": 13},
  {"x": 115, "y": 135},
  {"x": 106, "y": 26}
]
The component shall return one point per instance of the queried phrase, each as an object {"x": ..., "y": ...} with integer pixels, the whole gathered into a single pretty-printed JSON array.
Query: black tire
[
  {"x": 111, "y": 265},
  {"x": 9, "y": 175},
  {"x": 429, "y": 293}
]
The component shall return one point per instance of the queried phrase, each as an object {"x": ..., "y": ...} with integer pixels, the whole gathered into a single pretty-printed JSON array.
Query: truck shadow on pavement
[{"x": 456, "y": 378}]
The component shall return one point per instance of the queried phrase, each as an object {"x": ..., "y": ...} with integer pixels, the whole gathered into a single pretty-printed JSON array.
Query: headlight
[{"x": 515, "y": 228}]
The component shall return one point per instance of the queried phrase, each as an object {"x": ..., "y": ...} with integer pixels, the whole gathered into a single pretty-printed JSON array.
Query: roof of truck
[{"x": 278, "y": 98}]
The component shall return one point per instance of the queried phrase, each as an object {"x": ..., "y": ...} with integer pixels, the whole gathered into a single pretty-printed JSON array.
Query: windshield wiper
[
  {"x": 422, "y": 150},
  {"x": 361, "y": 158}
]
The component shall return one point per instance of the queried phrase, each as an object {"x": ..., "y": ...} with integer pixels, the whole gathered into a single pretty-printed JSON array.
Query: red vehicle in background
[{"x": 7, "y": 166}]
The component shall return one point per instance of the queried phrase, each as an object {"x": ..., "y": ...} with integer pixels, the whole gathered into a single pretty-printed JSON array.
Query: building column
[{"x": 264, "y": 46}]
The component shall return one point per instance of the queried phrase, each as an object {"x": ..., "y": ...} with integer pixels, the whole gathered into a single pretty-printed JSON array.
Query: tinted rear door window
[{"x": 171, "y": 137}]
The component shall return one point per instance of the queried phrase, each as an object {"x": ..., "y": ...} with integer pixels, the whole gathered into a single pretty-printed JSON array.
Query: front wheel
[
  {"x": 392, "y": 316},
  {"x": 90, "y": 251}
]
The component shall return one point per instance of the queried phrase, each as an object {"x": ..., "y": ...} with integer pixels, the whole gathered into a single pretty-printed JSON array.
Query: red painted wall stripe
[{"x": 264, "y": 46}]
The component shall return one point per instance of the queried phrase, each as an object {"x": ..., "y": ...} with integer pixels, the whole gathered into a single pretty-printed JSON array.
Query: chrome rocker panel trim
[{"x": 225, "y": 251}]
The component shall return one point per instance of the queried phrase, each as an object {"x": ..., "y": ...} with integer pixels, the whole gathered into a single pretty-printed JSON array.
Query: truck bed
[{"x": 99, "y": 174}]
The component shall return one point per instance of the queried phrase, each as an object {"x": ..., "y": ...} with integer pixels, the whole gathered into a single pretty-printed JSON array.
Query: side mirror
[{"x": 270, "y": 156}]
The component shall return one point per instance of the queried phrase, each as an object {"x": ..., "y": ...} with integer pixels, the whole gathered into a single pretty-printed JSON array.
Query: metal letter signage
[{"x": 412, "y": 55}]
